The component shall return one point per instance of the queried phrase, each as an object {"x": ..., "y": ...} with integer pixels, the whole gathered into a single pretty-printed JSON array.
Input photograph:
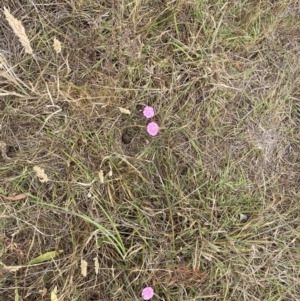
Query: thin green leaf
[{"x": 44, "y": 257}]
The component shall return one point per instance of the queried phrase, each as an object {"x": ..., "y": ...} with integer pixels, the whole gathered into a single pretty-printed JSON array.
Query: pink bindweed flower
[
  {"x": 152, "y": 128},
  {"x": 147, "y": 293},
  {"x": 148, "y": 112}
]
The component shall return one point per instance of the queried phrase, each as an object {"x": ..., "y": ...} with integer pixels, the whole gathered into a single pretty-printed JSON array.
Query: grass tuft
[{"x": 208, "y": 208}]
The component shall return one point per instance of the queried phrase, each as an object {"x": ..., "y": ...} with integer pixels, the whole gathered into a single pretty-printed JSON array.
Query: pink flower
[
  {"x": 152, "y": 128},
  {"x": 147, "y": 293},
  {"x": 148, "y": 112}
]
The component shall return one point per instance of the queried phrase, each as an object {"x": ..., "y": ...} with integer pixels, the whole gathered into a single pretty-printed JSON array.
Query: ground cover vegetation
[{"x": 94, "y": 208}]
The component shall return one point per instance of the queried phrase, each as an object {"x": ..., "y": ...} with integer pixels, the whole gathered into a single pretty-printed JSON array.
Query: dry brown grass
[
  {"x": 18, "y": 30},
  {"x": 208, "y": 209}
]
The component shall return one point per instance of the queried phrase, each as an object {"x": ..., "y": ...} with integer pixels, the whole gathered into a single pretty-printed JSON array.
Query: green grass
[{"x": 206, "y": 210}]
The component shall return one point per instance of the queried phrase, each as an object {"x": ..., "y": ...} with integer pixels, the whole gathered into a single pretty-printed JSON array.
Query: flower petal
[
  {"x": 152, "y": 128},
  {"x": 148, "y": 112},
  {"x": 147, "y": 293}
]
